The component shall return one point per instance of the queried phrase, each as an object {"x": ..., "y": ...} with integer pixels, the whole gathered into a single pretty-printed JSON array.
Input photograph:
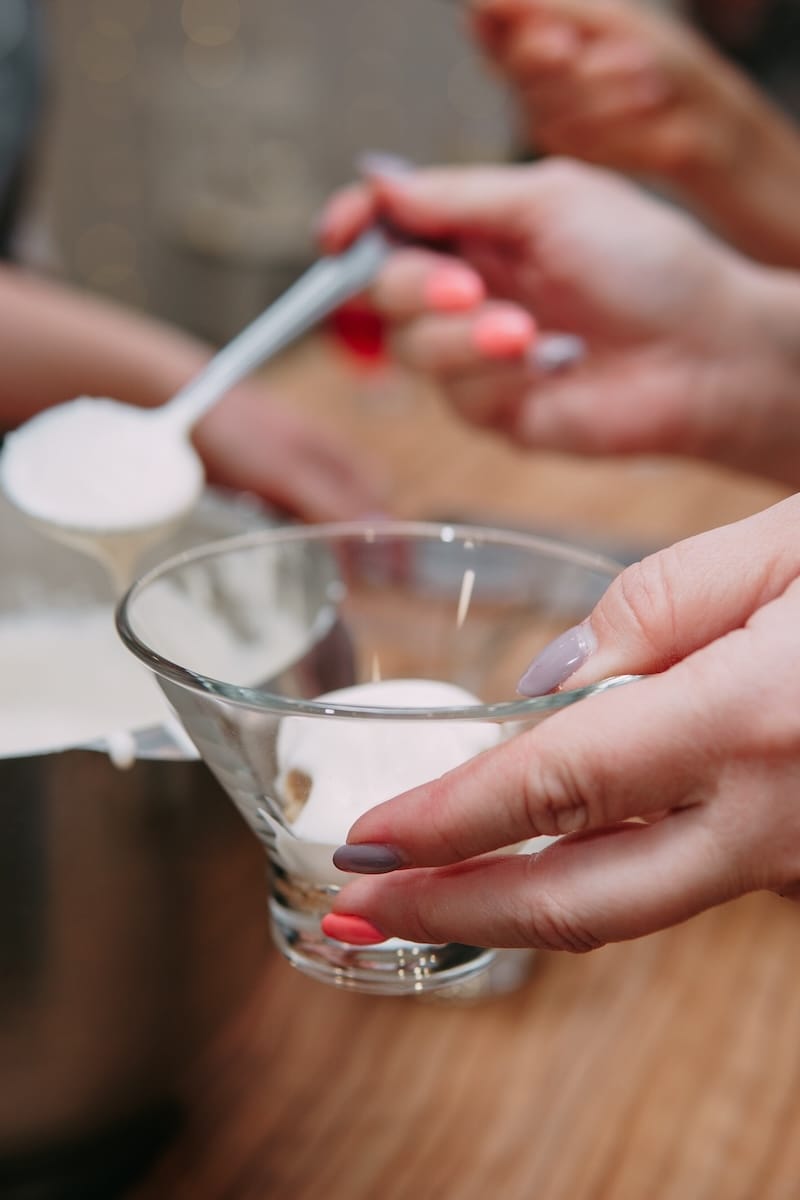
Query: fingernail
[
  {"x": 346, "y": 927},
  {"x": 503, "y": 334},
  {"x": 368, "y": 859},
  {"x": 453, "y": 289},
  {"x": 558, "y": 661},
  {"x": 556, "y": 351},
  {"x": 386, "y": 166}
]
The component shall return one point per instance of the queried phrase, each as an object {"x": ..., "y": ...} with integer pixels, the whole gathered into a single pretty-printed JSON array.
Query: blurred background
[
  {"x": 181, "y": 150},
  {"x": 172, "y": 154}
]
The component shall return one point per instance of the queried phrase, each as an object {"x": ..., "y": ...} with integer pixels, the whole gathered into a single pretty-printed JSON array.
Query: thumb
[
  {"x": 672, "y": 603},
  {"x": 434, "y": 204},
  {"x": 448, "y": 202}
]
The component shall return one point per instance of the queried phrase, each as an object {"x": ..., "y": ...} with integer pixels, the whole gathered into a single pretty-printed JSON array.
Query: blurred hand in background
[
  {"x": 617, "y": 83},
  {"x": 690, "y": 348}
]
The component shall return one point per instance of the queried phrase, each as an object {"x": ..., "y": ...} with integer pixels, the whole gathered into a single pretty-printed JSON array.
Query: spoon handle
[{"x": 328, "y": 283}]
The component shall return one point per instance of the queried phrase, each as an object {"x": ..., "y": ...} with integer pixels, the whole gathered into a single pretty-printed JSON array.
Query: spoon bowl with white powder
[
  {"x": 96, "y": 475},
  {"x": 322, "y": 670},
  {"x": 111, "y": 479}
]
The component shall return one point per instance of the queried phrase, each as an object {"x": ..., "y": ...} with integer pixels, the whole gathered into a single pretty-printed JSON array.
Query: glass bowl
[{"x": 246, "y": 634}]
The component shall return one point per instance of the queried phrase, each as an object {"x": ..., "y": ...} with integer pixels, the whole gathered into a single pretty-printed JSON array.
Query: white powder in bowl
[{"x": 333, "y": 769}]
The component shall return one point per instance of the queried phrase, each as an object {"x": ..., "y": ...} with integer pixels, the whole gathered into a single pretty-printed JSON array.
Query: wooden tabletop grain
[{"x": 665, "y": 1069}]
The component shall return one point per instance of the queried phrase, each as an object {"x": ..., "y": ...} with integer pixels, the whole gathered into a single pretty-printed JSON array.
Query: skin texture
[
  {"x": 691, "y": 349},
  {"x": 619, "y": 84},
  {"x": 676, "y": 792},
  {"x": 56, "y": 343}
]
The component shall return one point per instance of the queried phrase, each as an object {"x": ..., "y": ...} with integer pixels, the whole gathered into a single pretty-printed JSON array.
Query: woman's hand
[
  {"x": 676, "y": 792},
  {"x": 252, "y": 442},
  {"x": 616, "y": 83},
  {"x": 691, "y": 349}
]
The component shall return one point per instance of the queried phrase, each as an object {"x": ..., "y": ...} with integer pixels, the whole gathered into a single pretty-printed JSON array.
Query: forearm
[{"x": 57, "y": 343}]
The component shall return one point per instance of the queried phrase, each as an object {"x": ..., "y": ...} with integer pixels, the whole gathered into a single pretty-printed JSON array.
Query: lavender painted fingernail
[
  {"x": 558, "y": 661},
  {"x": 554, "y": 352},
  {"x": 386, "y": 166},
  {"x": 368, "y": 859}
]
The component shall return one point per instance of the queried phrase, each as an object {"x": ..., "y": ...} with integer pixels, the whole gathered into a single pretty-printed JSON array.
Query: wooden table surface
[{"x": 666, "y": 1069}]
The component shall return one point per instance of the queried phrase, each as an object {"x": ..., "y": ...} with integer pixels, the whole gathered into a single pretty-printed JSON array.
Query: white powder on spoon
[{"x": 96, "y": 464}]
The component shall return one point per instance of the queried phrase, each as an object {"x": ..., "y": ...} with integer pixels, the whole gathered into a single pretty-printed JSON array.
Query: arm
[{"x": 56, "y": 343}]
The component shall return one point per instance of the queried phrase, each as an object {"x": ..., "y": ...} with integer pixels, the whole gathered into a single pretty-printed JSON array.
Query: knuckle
[
  {"x": 555, "y": 798},
  {"x": 445, "y": 824},
  {"x": 425, "y": 930},
  {"x": 548, "y": 924},
  {"x": 642, "y": 601}
]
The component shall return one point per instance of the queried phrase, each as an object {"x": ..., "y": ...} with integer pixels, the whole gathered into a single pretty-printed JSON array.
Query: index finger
[
  {"x": 629, "y": 752},
  {"x": 348, "y": 212}
]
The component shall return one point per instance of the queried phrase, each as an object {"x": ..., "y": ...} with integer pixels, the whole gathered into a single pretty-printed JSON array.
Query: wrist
[{"x": 759, "y": 383}]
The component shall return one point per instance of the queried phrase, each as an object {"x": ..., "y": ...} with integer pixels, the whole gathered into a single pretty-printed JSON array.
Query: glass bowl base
[{"x": 392, "y": 968}]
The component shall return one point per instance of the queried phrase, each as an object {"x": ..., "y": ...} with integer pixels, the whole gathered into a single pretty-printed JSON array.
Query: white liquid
[
  {"x": 355, "y": 764},
  {"x": 67, "y": 679},
  {"x": 109, "y": 480}
]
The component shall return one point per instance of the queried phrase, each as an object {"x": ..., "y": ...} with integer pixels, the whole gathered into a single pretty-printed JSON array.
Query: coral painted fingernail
[
  {"x": 558, "y": 661},
  {"x": 346, "y": 927},
  {"x": 503, "y": 334},
  {"x": 368, "y": 859},
  {"x": 453, "y": 289}
]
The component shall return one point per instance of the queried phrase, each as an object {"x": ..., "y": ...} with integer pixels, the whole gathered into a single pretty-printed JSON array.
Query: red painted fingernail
[
  {"x": 453, "y": 289},
  {"x": 346, "y": 927},
  {"x": 360, "y": 330},
  {"x": 503, "y": 334}
]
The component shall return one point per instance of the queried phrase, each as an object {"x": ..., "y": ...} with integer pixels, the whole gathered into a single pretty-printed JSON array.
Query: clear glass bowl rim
[{"x": 262, "y": 700}]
